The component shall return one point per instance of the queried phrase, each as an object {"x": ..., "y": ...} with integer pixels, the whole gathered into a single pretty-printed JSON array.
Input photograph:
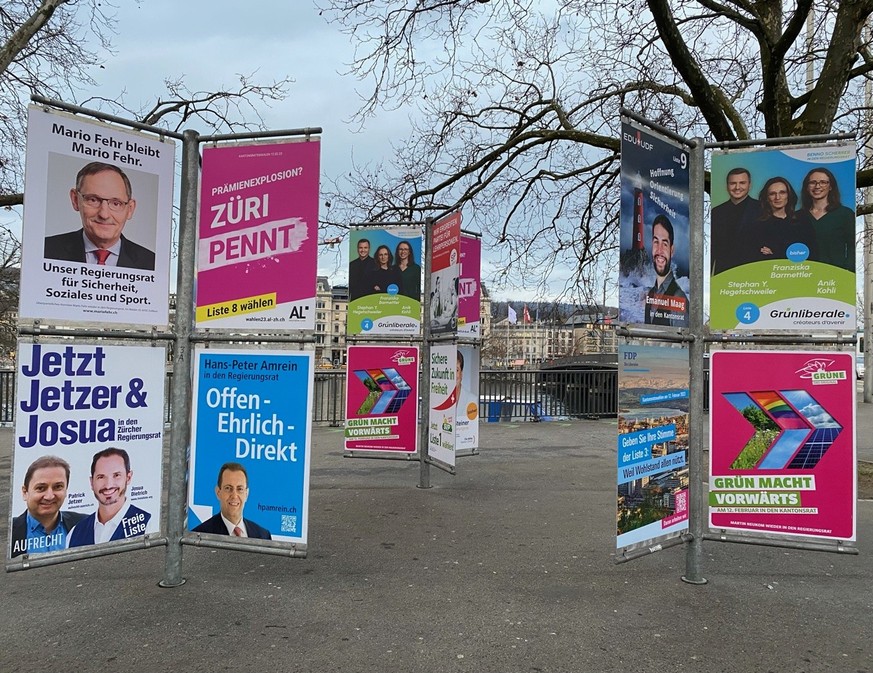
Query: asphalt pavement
[{"x": 506, "y": 566}]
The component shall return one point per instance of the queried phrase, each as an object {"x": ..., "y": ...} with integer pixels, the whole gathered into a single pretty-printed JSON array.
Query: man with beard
[
  {"x": 110, "y": 477},
  {"x": 666, "y": 303}
]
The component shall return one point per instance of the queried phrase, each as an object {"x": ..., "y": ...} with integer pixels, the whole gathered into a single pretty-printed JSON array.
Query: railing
[
  {"x": 505, "y": 395},
  {"x": 7, "y": 395}
]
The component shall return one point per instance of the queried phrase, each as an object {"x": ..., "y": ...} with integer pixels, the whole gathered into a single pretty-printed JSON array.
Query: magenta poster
[
  {"x": 782, "y": 443},
  {"x": 468, "y": 286},
  {"x": 257, "y": 244},
  {"x": 382, "y": 399}
]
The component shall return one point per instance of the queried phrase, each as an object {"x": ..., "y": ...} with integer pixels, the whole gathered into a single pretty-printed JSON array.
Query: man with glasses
[
  {"x": 104, "y": 200},
  {"x": 232, "y": 492}
]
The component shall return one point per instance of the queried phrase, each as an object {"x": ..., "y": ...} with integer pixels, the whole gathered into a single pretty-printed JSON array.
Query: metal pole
[
  {"x": 424, "y": 378},
  {"x": 180, "y": 394},
  {"x": 103, "y": 116},
  {"x": 697, "y": 495},
  {"x": 868, "y": 246}
]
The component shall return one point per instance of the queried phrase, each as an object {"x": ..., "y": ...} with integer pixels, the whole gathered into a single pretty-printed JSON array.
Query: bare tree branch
[{"x": 518, "y": 106}]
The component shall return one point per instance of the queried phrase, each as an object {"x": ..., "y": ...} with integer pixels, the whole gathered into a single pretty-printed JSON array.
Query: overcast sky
[{"x": 210, "y": 42}]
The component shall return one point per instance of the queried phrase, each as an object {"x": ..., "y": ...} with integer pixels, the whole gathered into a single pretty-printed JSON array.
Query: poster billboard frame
[
  {"x": 650, "y": 446},
  {"x": 397, "y": 390},
  {"x": 106, "y": 417},
  {"x": 654, "y": 285},
  {"x": 805, "y": 286},
  {"x": 796, "y": 410},
  {"x": 392, "y": 312},
  {"x": 258, "y": 212},
  {"x": 246, "y": 428},
  {"x": 61, "y": 281}
]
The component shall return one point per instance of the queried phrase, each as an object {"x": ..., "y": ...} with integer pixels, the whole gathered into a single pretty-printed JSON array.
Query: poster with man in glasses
[{"x": 97, "y": 222}]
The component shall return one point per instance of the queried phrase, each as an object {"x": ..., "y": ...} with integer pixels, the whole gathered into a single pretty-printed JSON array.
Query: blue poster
[
  {"x": 250, "y": 446},
  {"x": 652, "y": 447},
  {"x": 655, "y": 260}
]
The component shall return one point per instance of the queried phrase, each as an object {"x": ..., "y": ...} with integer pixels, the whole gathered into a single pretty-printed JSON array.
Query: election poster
[
  {"x": 251, "y": 444},
  {"x": 469, "y": 287},
  {"x": 89, "y": 430},
  {"x": 654, "y": 261},
  {"x": 782, "y": 443},
  {"x": 258, "y": 238},
  {"x": 97, "y": 224},
  {"x": 382, "y": 399},
  {"x": 653, "y": 405},
  {"x": 467, "y": 421},
  {"x": 442, "y": 403},
  {"x": 385, "y": 281},
  {"x": 445, "y": 273},
  {"x": 782, "y": 239}
]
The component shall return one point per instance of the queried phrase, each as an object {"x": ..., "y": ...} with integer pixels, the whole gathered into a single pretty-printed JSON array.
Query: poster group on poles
[
  {"x": 655, "y": 251},
  {"x": 653, "y": 405},
  {"x": 445, "y": 273},
  {"x": 382, "y": 399},
  {"x": 96, "y": 229},
  {"x": 258, "y": 236},
  {"x": 782, "y": 443},
  {"x": 250, "y": 447},
  {"x": 782, "y": 246},
  {"x": 385, "y": 281},
  {"x": 88, "y": 442}
]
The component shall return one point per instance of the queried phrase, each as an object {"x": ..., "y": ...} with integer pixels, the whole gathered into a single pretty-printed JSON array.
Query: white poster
[
  {"x": 89, "y": 430},
  {"x": 467, "y": 431},
  {"x": 97, "y": 222},
  {"x": 443, "y": 402}
]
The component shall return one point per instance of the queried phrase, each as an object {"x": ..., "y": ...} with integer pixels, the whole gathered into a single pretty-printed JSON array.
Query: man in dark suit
[
  {"x": 360, "y": 271},
  {"x": 110, "y": 477},
  {"x": 232, "y": 492},
  {"x": 729, "y": 222},
  {"x": 104, "y": 200},
  {"x": 43, "y": 527}
]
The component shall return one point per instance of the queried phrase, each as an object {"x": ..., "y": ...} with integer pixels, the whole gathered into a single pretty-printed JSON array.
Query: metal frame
[
  {"x": 697, "y": 339},
  {"x": 182, "y": 338}
]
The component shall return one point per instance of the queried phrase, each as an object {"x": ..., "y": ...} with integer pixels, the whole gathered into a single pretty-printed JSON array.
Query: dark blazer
[
  {"x": 216, "y": 526},
  {"x": 359, "y": 275},
  {"x": 83, "y": 533},
  {"x": 19, "y": 529},
  {"x": 70, "y": 247}
]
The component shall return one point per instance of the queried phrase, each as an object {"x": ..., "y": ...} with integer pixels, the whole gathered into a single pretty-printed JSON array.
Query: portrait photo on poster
[
  {"x": 783, "y": 238},
  {"x": 444, "y": 299},
  {"x": 95, "y": 205},
  {"x": 232, "y": 491}
]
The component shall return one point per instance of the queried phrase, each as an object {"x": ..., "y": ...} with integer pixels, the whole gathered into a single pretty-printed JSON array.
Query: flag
[
  {"x": 526, "y": 315},
  {"x": 513, "y": 316}
]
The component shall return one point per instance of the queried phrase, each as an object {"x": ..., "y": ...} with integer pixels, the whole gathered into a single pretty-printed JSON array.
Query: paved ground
[{"x": 507, "y": 566}]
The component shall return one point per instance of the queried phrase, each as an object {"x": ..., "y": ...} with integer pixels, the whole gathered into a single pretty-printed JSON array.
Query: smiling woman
[{"x": 833, "y": 223}]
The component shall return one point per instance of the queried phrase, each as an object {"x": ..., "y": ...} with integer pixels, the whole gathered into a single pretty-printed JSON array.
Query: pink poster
[
  {"x": 468, "y": 286},
  {"x": 782, "y": 443},
  {"x": 445, "y": 269},
  {"x": 257, "y": 246},
  {"x": 382, "y": 399}
]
